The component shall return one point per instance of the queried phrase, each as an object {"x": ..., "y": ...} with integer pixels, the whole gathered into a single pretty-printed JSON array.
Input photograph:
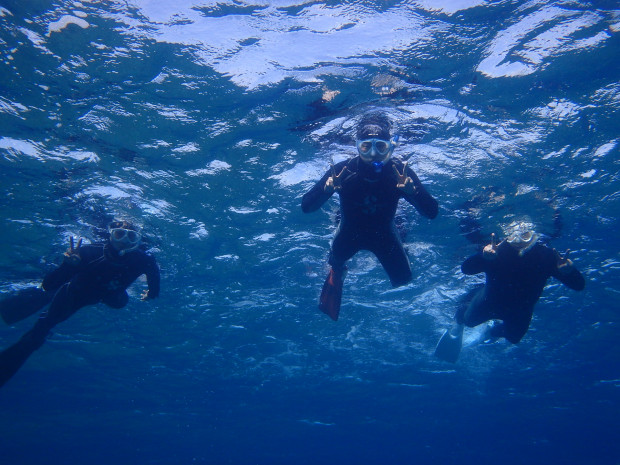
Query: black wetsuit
[
  {"x": 368, "y": 202},
  {"x": 513, "y": 286},
  {"x": 101, "y": 275}
]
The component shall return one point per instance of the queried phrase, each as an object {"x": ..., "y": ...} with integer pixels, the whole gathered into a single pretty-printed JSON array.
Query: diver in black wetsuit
[
  {"x": 369, "y": 187},
  {"x": 88, "y": 275},
  {"x": 516, "y": 271}
]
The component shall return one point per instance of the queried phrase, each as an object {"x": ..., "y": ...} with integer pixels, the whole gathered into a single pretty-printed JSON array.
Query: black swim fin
[
  {"x": 12, "y": 359},
  {"x": 331, "y": 295},
  {"x": 449, "y": 346},
  {"x": 23, "y": 303}
]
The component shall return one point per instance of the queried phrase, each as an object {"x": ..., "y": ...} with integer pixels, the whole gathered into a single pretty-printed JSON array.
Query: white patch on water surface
[
  {"x": 159, "y": 208},
  {"x": 523, "y": 189},
  {"x": 449, "y": 7},
  {"x": 557, "y": 110},
  {"x": 37, "y": 40},
  {"x": 264, "y": 237},
  {"x": 13, "y": 108},
  {"x": 261, "y": 48},
  {"x": 213, "y": 167},
  {"x": 199, "y": 232},
  {"x": 110, "y": 192},
  {"x": 301, "y": 172},
  {"x": 64, "y": 21},
  {"x": 187, "y": 148},
  {"x": 242, "y": 211},
  {"x": 16, "y": 147},
  {"x": 605, "y": 149},
  {"x": 83, "y": 156},
  {"x": 536, "y": 37}
]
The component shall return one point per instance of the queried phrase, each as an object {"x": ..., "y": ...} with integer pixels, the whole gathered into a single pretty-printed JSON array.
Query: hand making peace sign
[
  {"x": 564, "y": 264},
  {"x": 334, "y": 182},
  {"x": 72, "y": 255},
  {"x": 403, "y": 181}
]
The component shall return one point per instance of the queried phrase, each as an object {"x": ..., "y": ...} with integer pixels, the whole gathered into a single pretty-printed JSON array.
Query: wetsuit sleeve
[
  {"x": 474, "y": 265},
  {"x": 316, "y": 197},
  {"x": 56, "y": 278},
  {"x": 152, "y": 277},
  {"x": 421, "y": 200},
  {"x": 574, "y": 279},
  {"x": 67, "y": 270}
]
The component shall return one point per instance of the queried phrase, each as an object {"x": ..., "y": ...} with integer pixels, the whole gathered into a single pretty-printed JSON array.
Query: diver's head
[
  {"x": 124, "y": 237},
  {"x": 374, "y": 143},
  {"x": 521, "y": 236}
]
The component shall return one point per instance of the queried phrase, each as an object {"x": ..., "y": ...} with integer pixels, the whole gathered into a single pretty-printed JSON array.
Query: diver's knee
[
  {"x": 513, "y": 334},
  {"x": 117, "y": 300}
]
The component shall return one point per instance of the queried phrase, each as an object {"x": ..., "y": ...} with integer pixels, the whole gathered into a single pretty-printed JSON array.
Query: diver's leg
[
  {"x": 450, "y": 344},
  {"x": 514, "y": 327},
  {"x": 117, "y": 299},
  {"x": 343, "y": 248},
  {"x": 478, "y": 310},
  {"x": 64, "y": 304},
  {"x": 391, "y": 254}
]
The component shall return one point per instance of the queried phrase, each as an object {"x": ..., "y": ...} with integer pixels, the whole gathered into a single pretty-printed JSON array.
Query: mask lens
[
  {"x": 365, "y": 146},
  {"x": 382, "y": 146},
  {"x": 118, "y": 233}
]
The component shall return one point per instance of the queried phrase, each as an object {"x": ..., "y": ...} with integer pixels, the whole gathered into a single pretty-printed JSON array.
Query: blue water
[{"x": 205, "y": 122}]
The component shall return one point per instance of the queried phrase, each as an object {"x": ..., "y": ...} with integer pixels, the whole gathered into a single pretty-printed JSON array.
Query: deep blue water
[{"x": 205, "y": 122}]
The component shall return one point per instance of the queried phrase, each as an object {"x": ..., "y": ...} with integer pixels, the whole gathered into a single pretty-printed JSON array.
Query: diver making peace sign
[{"x": 369, "y": 186}]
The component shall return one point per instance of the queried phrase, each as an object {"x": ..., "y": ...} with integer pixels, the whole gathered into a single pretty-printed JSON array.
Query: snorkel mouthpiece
[{"x": 378, "y": 166}]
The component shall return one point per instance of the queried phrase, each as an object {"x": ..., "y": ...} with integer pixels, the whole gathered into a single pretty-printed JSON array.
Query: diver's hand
[
  {"x": 490, "y": 250},
  {"x": 564, "y": 264},
  {"x": 404, "y": 182},
  {"x": 334, "y": 182},
  {"x": 145, "y": 296},
  {"x": 72, "y": 255}
]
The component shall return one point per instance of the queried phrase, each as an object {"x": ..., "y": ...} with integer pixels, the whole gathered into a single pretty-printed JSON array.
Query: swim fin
[
  {"x": 449, "y": 346},
  {"x": 331, "y": 295},
  {"x": 12, "y": 359},
  {"x": 23, "y": 303}
]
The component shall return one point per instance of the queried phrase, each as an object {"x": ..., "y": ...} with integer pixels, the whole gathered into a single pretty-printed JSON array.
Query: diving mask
[
  {"x": 124, "y": 240},
  {"x": 523, "y": 238},
  {"x": 375, "y": 151}
]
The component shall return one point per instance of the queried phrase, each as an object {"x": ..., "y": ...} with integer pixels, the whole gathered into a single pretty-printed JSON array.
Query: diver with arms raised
[
  {"x": 517, "y": 270},
  {"x": 369, "y": 186}
]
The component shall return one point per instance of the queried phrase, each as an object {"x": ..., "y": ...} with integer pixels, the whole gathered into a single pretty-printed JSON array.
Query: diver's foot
[
  {"x": 331, "y": 295},
  {"x": 489, "y": 334}
]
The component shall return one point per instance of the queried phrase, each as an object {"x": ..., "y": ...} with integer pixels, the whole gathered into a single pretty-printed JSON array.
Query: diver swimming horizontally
[
  {"x": 517, "y": 270},
  {"x": 89, "y": 274},
  {"x": 369, "y": 186}
]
